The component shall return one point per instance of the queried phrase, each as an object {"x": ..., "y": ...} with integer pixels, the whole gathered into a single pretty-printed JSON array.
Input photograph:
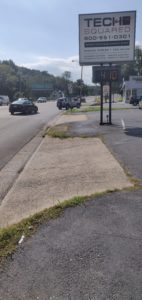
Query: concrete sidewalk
[{"x": 60, "y": 170}]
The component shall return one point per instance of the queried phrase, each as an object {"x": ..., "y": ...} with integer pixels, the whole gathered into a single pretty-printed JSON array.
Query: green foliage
[
  {"x": 135, "y": 67},
  {"x": 17, "y": 82},
  {"x": 67, "y": 75},
  {"x": 79, "y": 88}
]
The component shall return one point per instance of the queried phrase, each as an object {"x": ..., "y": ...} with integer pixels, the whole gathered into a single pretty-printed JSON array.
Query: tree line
[{"x": 18, "y": 81}]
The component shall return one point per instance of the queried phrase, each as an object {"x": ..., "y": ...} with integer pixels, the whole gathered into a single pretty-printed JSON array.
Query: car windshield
[
  {"x": 62, "y": 99},
  {"x": 22, "y": 101}
]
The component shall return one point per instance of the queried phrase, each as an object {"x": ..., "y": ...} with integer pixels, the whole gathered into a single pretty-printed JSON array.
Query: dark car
[
  {"x": 135, "y": 100},
  {"x": 68, "y": 102},
  {"x": 62, "y": 103},
  {"x": 24, "y": 106},
  {"x": 75, "y": 102}
]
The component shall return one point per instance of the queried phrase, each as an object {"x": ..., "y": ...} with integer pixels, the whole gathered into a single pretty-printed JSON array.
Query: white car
[
  {"x": 4, "y": 100},
  {"x": 42, "y": 99}
]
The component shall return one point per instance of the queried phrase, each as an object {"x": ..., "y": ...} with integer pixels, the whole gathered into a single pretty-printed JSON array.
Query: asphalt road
[
  {"x": 17, "y": 130},
  {"x": 92, "y": 251}
]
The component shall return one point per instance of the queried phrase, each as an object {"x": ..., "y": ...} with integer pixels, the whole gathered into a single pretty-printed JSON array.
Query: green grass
[
  {"x": 93, "y": 109},
  {"x": 10, "y": 236},
  {"x": 58, "y": 131},
  {"x": 82, "y": 109}
]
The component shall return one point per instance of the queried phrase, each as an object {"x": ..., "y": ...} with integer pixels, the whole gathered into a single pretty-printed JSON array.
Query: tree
[
  {"x": 19, "y": 81},
  {"x": 79, "y": 88},
  {"x": 138, "y": 60},
  {"x": 67, "y": 75},
  {"x": 135, "y": 67}
]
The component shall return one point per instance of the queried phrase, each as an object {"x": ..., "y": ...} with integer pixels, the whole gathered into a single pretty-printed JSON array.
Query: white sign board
[{"x": 107, "y": 37}]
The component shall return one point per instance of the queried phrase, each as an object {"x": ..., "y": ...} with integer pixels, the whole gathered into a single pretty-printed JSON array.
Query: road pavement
[
  {"x": 16, "y": 131},
  {"x": 20, "y": 137},
  {"x": 93, "y": 251}
]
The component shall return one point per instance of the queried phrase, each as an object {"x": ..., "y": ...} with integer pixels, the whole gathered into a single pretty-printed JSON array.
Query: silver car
[
  {"x": 42, "y": 99},
  {"x": 140, "y": 103}
]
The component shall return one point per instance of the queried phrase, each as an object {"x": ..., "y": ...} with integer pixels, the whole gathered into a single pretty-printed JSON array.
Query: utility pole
[{"x": 81, "y": 81}]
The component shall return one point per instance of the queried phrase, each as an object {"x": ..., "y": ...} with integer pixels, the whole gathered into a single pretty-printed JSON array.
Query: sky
[{"x": 44, "y": 34}]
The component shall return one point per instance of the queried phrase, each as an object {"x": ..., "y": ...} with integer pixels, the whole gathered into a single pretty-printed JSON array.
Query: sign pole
[
  {"x": 110, "y": 94},
  {"x": 101, "y": 110},
  {"x": 110, "y": 101}
]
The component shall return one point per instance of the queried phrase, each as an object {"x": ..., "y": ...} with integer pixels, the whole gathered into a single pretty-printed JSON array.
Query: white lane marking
[{"x": 123, "y": 124}]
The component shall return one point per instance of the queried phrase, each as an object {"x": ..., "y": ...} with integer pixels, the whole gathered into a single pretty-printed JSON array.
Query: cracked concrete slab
[
  {"x": 71, "y": 118},
  {"x": 60, "y": 170}
]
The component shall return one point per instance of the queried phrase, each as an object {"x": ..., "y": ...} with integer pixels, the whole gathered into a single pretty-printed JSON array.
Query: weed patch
[{"x": 58, "y": 131}]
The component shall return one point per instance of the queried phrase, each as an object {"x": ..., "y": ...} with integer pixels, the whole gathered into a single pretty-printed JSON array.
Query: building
[{"x": 133, "y": 87}]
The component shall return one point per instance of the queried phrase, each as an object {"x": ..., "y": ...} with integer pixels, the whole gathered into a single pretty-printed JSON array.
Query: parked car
[
  {"x": 42, "y": 99},
  {"x": 4, "y": 100},
  {"x": 140, "y": 104},
  {"x": 67, "y": 103},
  {"x": 82, "y": 99},
  {"x": 75, "y": 102},
  {"x": 62, "y": 103},
  {"x": 23, "y": 105},
  {"x": 134, "y": 100}
]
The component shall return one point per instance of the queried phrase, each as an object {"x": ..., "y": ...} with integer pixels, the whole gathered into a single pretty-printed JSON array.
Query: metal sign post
[
  {"x": 101, "y": 108},
  {"x": 103, "y": 74},
  {"x": 110, "y": 94}
]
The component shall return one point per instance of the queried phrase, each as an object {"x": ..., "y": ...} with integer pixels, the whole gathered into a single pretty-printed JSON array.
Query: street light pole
[
  {"x": 81, "y": 82},
  {"x": 81, "y": 78},
  {"x": 81, "y": 73}
]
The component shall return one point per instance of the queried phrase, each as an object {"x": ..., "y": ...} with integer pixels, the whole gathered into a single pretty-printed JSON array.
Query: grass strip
[
  {"x": 93, "y": 109},
  {"x": 10, "y": 236},
  {"x": 58, "y": 131}
]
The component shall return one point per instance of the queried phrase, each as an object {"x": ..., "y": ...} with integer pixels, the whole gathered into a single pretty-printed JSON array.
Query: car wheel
[
  {"x": 135, "y": 103},
  {"x": 67, "y": 107},
  {"x": 140, "y": 107},
  {"x": 32, "y": 111},
  {"x": 12, "y": 112}
]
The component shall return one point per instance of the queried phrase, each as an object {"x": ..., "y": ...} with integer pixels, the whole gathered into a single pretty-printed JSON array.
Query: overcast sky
[{"x": 43, "y": 34}]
